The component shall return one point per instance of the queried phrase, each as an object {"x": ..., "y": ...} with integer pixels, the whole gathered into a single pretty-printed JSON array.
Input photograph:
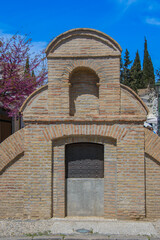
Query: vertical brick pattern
[
  {"x": 130, "y": 174},
  {"x": 58, "y": 180},
  {"x": 152, "y": 187},
  {"x": 110, "y": 179},
  {"x": 109, "y": 91},
  {"x": 37, "y": 189}
]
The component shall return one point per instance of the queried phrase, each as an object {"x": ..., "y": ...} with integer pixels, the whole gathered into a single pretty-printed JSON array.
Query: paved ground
[
  {"x": 83, "y": 237},
  {"x": 79, "y": 229}
]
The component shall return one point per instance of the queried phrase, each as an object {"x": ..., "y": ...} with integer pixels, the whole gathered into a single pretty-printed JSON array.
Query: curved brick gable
[
  {"x": 11, "y": 148},
  {"x": 131, "y": 103},
  {"x": 77, "y": 44},
  {"x": 36, "y": 105},
  {"x": 152, "y": 144},
  {"x": 28, "y": 103}
]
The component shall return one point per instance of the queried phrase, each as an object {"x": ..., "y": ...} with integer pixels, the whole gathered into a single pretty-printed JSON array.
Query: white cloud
[
  {"x": 153, "y": 5},
  {"x": 127, "y": 2},
  {"x": 153, "y": 21},
  {"x": 5, "y": 35},
  {"x": 36, "y": 47}
]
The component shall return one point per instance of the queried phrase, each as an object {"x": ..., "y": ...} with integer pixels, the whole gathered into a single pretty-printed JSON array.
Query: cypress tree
[
  {"x": 127, "y": 72},
  {"x": 151, "y": 74},
  {"x": 27, "y": 67},
  {"x": 148, "y": 77},
  {"x": 33, "y": 75},
  {"x": 158, "y": 74},
  {"x": 136, "y": 73}
]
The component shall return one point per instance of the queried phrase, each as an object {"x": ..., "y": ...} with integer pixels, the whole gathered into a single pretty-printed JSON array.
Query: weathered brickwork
[
  {"x": 110, "y": 156},
  {"x": 83, "y": 92},
  {"x": 152, "y": 187},
  {"x": 130, "y": 174},
  {"x": 37, "y": 197},
  {"x": 107, "y": 71},
  {"x": 12, "y": 190},
  {"x": 11, "y": 148},
  {"x": 83, "y": 102}
]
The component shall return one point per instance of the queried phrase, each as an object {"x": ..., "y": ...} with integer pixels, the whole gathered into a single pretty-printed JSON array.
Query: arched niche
[{"x": 83, "y": 92}]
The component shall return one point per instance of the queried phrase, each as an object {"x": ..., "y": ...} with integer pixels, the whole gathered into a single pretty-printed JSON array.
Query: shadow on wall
[
  {"x": 83, "y": 92},
  {"x": 11, "y": 163}
]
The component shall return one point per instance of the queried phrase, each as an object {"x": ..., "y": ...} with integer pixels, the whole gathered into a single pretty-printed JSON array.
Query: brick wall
[
  {"x": 38, "y": 155},
  {"x": 110, "y": 160},
  {"x": 12, "y": 183},
  {"x": 35, "y": 183},
  {"x": 107, "y": 71},
  {"x": 83, "y": 92},
  {"x": 130, "y": 174},
  {"x": 152, "y": 187},
  {"x": 83, "y": 101}
]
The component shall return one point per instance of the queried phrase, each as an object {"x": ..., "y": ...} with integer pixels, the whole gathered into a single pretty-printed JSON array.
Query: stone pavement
[
  {"x": 82, "y": 237},
  {"x": 79, "y": 228}
]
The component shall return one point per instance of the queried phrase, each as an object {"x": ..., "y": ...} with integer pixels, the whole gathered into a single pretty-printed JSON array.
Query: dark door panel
[{"x": 84, "y": 160}]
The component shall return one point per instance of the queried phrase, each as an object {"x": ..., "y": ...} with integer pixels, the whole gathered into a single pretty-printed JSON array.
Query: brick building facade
[{"x": 84, "y": 150}]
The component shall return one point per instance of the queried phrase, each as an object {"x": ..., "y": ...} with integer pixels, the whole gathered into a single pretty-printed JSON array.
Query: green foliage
[
  {"x": 45, "y": 233},
  {"x": 158, "y": 74},
  {"x": 28, "y": 73},
  {"x": 126, "y": 70},
  {"x": 27, "y": 67},
  {"x": 136, "y": 73},
  {"x": 33, "y": 75},
  {"x": 148, "y": 77},
  {"x": 134, "y": 76}
]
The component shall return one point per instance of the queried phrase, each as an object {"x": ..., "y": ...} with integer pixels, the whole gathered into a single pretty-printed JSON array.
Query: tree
[
  {"x": 17, "y": 82},
  {"x": 127, "y": 72},
  {"x": 158, "y": 74},
  {"x": 136, "y": 73},
  {"x": 148, "y": 77},
  {"x": 27, "y": 67}
]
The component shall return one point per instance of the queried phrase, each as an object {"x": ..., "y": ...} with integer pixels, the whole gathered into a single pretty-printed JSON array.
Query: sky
[{"x": 127, "y": 21}]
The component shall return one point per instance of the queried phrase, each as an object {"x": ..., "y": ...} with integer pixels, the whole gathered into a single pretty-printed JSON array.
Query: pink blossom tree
[{"x": 16, "y": 83}]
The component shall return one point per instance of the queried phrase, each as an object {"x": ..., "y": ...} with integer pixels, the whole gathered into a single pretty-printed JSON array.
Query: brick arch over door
[
  {"x": 58, "y": 131},
  {"x": 14, "y": 145}
]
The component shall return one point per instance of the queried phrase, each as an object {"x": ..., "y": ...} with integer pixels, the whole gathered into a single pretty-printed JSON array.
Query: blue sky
[{"x": 127, "y": 21}]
